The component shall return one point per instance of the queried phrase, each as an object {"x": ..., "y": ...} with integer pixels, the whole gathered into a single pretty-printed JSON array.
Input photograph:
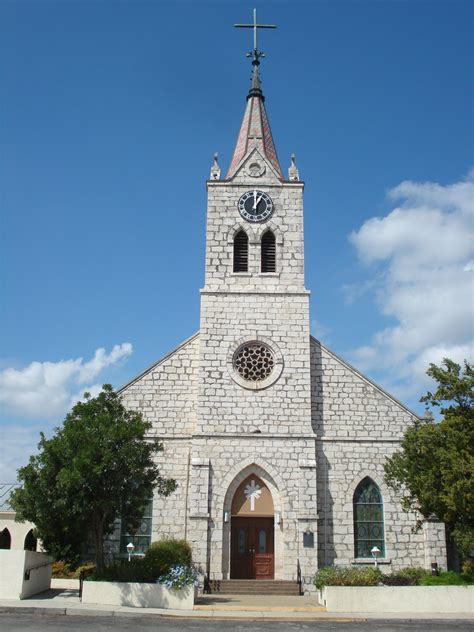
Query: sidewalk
[{"x": 251, "y": 607}]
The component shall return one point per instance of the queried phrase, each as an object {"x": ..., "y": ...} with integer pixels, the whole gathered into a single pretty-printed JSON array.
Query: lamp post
[
  {"x": 130, "y": 549},
  {"x": 375, "y": 551}
]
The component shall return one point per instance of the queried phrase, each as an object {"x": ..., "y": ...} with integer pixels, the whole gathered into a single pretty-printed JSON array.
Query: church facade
[{"x": 276, "y": 443}]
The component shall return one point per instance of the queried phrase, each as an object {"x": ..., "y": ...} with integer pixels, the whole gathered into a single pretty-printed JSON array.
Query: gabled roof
[{"x": 5, "y": 491}]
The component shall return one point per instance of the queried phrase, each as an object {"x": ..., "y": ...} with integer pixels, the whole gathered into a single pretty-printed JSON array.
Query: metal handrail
[
  {"x": 82, "y": 576},
  {"x": 299, "y": 579},
  {"x": 32, "y": 568},
  {"x": 26, "y": 572}
]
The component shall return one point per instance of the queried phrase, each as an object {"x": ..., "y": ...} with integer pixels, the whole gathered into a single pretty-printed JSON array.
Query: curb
[{"x": 148, "y": 615}]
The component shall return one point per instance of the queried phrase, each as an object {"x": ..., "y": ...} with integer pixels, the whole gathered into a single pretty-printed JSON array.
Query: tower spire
[
  {"x": 255, "y": 129},
  {"x": 255, "y": 54}
]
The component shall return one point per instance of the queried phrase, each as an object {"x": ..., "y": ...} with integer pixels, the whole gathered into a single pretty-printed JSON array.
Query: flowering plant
[{"x": 179, "y": 577}]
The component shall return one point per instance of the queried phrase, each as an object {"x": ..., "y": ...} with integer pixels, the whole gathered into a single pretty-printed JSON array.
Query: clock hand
[
  {"x": 255, "y": 200},
  {"x": 258, "y": 201}
]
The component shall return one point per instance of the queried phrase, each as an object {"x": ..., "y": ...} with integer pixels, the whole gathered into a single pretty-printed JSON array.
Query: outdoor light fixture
[
  {"x": 277, "y": 517},
  {"x": 226, "y": 516},
  {"x": 130, "y": 549},
  {"x": 375, "y": 551}
]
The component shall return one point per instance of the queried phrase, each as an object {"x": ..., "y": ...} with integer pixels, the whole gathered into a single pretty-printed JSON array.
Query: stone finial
[
  {"x": 292, "y": 170},
  {"x": 215, "y": 169}
]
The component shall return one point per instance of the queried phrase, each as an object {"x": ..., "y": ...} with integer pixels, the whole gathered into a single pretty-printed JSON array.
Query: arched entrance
[{"x": 252, "y": 531}]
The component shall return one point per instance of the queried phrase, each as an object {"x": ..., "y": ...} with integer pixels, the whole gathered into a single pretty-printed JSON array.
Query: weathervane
[{"x": 255, "y": 54}]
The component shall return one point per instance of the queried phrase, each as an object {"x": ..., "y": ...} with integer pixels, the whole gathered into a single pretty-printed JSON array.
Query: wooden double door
[{"x": 252, "y": 548}]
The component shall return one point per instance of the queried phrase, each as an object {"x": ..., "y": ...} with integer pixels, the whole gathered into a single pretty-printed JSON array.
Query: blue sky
[{"x": 111, "y": 112}]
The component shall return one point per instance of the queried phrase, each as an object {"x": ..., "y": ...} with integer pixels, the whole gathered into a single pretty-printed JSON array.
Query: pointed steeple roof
[{"x": 255, "y": 129}]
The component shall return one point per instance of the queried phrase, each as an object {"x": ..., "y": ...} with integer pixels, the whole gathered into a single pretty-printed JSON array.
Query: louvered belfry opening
[
  {"x": 268, "y": 252},
  {"x": 241, "y": 252}
]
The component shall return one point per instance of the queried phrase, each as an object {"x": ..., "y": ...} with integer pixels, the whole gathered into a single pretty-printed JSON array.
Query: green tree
[
  {"x": 97, "y": 467},
  {"x": 434, "y": 470}
]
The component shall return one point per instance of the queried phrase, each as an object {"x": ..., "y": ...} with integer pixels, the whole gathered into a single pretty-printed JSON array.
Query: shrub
[
  {"x": 405, "y": 577},
  {"x": 399, "y": 580},
  {"x": 449, "y": 578},
  {"x": 163, "y": 555},
  {"x": 468, "y": 570},
  {"x": 347, "y": 576},
  {"x": 88, "y": 567},
  {"x": 61, "y": 570},
  {"x": 124, "y": 571}
]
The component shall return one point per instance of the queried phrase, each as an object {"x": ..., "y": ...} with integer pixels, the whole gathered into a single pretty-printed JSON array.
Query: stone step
[{"x": 254, "y": 587}]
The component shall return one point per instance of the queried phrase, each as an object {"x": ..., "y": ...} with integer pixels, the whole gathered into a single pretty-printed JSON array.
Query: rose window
[{"x": 254, "y": 361}]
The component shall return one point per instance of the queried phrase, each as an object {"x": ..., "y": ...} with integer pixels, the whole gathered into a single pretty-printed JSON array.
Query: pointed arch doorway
[{"x": 252, "y": 531}]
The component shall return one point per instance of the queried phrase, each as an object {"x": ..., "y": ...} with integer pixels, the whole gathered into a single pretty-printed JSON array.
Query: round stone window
[{"x": 254, "y": 362}]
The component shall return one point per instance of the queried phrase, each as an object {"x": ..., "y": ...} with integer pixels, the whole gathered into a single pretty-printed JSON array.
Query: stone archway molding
[{"x": 264, "y": 471}]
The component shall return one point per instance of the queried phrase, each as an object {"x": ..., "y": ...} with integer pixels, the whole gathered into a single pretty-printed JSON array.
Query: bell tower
[
  {"x": 253, "y": 412},
  {"x": 254, "y": 368}
]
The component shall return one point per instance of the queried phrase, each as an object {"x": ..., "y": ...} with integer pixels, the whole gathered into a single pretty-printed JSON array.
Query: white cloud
[
  {"x": 421, "y": 261},
  {"x": 49, "y": 389},
  {"x": 16, "y": 445}
]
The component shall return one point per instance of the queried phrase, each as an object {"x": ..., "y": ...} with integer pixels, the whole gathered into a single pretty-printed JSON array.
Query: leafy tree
[
  {"x": 434, "y": 471},
  {"x": 97, "y": 467}
]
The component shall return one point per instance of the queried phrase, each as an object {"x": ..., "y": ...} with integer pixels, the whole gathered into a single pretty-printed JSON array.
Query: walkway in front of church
[{"x": 251, "y": 607}]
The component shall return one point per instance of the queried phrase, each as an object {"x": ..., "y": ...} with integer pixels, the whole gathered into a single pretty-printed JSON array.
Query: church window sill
[
  {"x": 241, "y": 274},
  {"x": 270, "y": 274}
]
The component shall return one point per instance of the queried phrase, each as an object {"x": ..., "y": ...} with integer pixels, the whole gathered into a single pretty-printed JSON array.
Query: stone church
[{"x": 277, "y": 444}]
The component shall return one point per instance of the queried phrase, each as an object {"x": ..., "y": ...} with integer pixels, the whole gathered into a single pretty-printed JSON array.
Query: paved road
[{"x": 24, "y": 622}]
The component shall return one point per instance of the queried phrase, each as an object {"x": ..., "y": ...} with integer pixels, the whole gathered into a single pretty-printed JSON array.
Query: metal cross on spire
[{"x": 255, "y": 53}]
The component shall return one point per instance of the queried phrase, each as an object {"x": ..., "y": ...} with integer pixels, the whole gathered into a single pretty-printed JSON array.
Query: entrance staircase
[{"x": 253, "y": 587}]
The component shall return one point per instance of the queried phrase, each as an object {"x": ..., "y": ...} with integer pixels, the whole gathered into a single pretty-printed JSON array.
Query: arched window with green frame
[{"x": 368, "y": 519}]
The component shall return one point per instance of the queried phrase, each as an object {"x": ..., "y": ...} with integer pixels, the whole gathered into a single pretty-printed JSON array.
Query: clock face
[{"x": 255, "y": 206}]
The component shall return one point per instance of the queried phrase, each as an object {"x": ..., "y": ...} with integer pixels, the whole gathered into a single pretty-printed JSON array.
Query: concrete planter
[
  {"x": 23, "y": 573},
  {"x": 409, "y": 599},
  {"x": 137, "y": 595}
]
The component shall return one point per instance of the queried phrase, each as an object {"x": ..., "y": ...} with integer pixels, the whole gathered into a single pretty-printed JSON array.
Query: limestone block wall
[
  {"x": 282, "y": 321},
  {"x": 342, "y": 465},
  {"x": 348, "y": 406},
  {"x": 166, "y": 393},
  {"x": 358, "y": 426},
  {"x": 286, "y": 464},
  {"x": 434, "y": 533}
]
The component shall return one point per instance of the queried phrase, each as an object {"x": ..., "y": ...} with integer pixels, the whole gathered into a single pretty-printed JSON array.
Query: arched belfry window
[
  {"x": 268, "y": 252},
  {"x": 241, "y": 252},
  {"x": 368, "y": 519},
  {"x": 5, "y": 539}
]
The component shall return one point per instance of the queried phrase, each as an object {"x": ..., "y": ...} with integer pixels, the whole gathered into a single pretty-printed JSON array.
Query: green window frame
[
  {"x": 369, "y": 529},
  {"x": 141, "y": 538}
]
